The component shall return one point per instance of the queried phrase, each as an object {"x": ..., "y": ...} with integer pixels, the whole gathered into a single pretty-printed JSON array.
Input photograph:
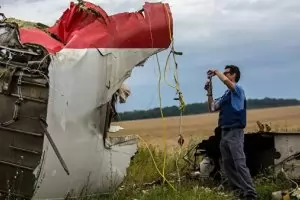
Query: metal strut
[{"x": 61, "y": 160}]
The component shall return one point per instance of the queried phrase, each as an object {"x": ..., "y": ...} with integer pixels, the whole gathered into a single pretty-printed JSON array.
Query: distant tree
[{"x": 199, "y": 108}]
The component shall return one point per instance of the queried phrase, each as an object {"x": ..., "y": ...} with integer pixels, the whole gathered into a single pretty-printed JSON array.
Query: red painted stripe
[
  {"x": 78, "y": 28},
  {"x": 34, "y": 35}
]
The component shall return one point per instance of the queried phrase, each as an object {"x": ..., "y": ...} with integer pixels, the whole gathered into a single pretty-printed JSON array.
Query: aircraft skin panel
[
  {"x": 77, "y": 94},
  {"x": 56, "y": 85}
]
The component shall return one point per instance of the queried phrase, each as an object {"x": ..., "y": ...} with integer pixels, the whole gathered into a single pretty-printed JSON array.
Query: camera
[{"x": 209, "y": 74}]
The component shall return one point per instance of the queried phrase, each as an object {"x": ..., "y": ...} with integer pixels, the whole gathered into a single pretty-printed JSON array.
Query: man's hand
[
  {"x": 211, "y": 72},
  {"x": 224, "y": 79}
]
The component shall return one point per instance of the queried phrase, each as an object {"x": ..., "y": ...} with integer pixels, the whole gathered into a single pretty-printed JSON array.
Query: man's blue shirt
[{"x": 237, "y": 98}]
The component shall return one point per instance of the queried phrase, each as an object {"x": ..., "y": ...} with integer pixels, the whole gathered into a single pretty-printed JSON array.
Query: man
[{"x": 232, "y": 120}]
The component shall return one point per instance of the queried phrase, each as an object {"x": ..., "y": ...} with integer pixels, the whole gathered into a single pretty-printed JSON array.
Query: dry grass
[
  {"x": 201, "y": 126},
  {"x": 142, "y": 169}
]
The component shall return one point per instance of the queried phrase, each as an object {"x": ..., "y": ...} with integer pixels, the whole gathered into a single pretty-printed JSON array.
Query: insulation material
[
  {"x": 123, "y": 93},
  {"x": 114, "y": 129}
]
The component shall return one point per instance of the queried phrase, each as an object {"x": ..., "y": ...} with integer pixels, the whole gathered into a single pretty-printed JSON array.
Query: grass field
[
  {"x": 142, "y": 169},
  {"x": 281, "y": 119}
]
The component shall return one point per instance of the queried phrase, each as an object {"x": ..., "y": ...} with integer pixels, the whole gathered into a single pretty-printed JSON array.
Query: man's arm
[
  {"x": 208, "y": 88},
  {"x": 225, "y": 80},
  {"x": 212, "y": 104},
  {"x": 215, "y": 105}
]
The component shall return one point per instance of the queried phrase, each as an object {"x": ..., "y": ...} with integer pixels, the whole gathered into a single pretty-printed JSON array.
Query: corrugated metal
[{"x": 21, "y": 142}]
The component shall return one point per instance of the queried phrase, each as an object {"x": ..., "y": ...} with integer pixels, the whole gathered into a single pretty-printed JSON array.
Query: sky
[{"x": 262, "y": 37}]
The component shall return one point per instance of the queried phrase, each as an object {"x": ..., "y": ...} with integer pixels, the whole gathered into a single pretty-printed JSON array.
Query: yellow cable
[
  {"x": 155, "y": 163},
  {"x": 172, "y": 41},
  {"x": 176, "y": 87},
  {"x": 182, "y": 104},
  {"x": 162, "y": 116},
  {"x": 166, "y": 66}
]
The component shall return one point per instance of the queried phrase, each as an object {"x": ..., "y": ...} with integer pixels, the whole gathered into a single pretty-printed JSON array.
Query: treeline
[{"x": 199, "y": 108}]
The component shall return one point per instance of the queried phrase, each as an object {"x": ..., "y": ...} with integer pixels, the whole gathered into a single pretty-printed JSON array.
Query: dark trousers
[{"x": 234, "y": 162}]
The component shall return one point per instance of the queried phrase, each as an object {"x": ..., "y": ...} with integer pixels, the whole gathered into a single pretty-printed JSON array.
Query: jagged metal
[{"x": 23, "y": 99}]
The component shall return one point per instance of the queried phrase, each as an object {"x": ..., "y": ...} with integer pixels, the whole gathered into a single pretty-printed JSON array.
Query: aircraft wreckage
[
  {"x": 58, "y": 88},
  {"x": 265, "y": 150}
]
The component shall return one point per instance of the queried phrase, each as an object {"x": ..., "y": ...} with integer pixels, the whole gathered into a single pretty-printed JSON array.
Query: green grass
[
  {"x": 188, "y": 192},
  {"x": 142, "y": 170},
  {"x": 27, "y": 24}
]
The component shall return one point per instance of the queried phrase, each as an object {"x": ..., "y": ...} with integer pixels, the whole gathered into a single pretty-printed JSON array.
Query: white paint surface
[{"x": 78, "y": 87}]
